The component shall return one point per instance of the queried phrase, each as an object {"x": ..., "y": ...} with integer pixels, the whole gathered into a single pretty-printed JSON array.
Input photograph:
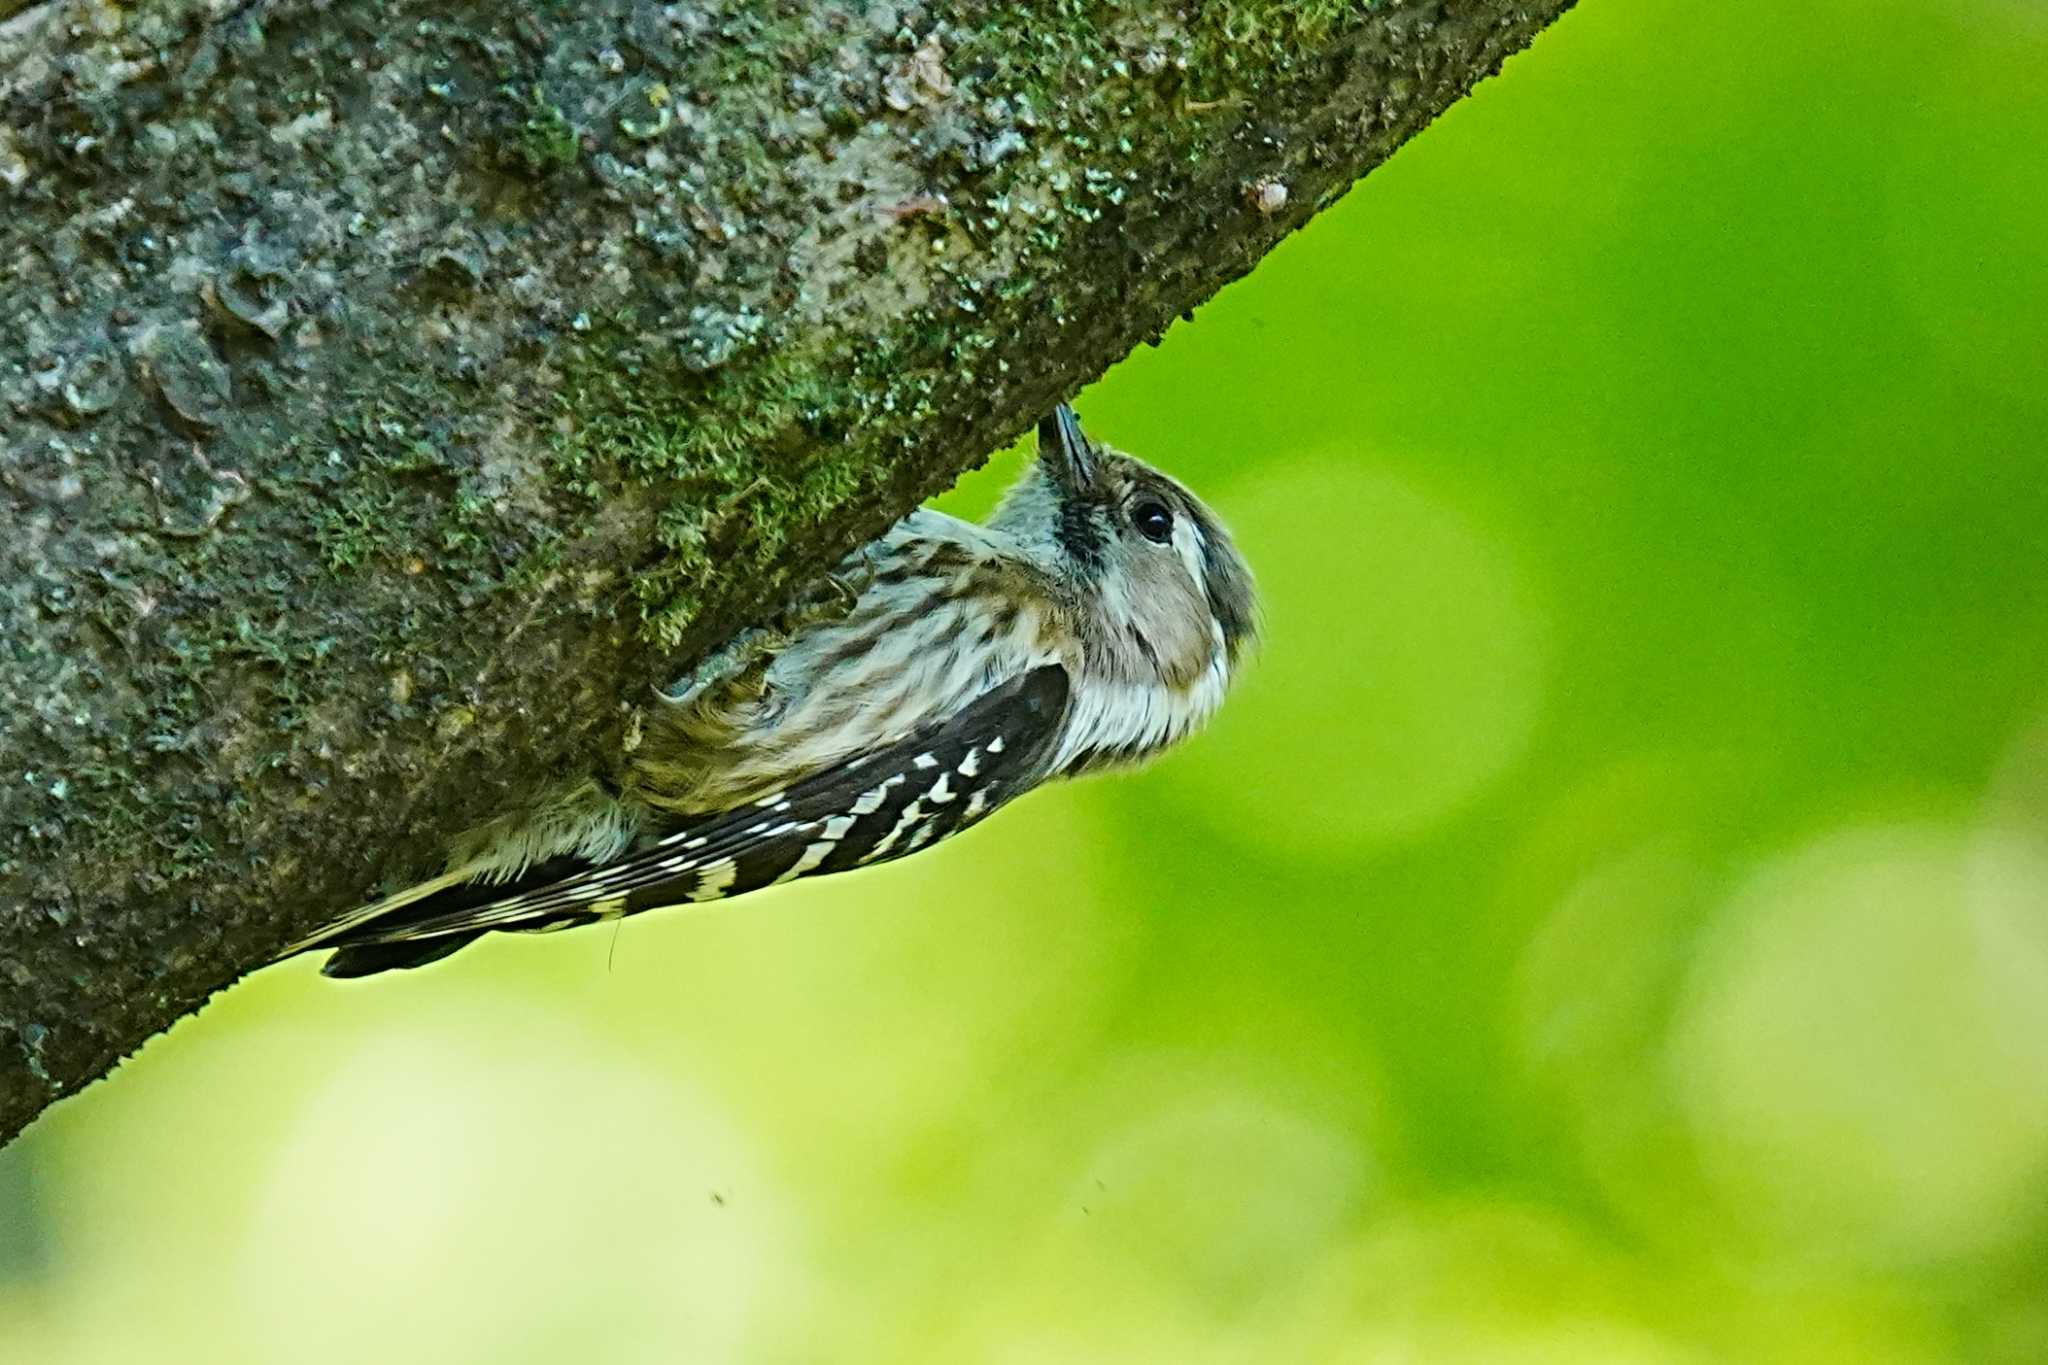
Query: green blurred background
[{"x": 1610, "y": 926}]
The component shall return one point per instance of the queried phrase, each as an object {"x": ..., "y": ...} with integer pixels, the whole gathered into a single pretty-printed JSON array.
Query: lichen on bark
[{"x": 391, "y": 393}]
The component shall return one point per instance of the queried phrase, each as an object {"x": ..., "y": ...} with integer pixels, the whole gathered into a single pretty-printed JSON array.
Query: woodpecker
[{"x": 942, "y": 671}]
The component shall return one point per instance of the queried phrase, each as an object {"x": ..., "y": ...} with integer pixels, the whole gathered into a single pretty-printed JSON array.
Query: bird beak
[{"x": 1065, "y": 450}]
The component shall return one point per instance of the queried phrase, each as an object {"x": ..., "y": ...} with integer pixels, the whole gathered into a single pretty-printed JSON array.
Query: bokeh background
[{"x": 1610, "y": 927}]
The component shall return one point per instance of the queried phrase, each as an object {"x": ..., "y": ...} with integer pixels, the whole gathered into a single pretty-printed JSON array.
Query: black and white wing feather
[{"x": 873, "y": 808}]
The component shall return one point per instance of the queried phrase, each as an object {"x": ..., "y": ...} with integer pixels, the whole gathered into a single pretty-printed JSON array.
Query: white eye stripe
[{"x": 1192, "y": 547}]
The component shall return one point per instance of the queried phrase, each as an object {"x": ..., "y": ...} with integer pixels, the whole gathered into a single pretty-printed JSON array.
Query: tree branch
[{"x": 390, "y": 389}]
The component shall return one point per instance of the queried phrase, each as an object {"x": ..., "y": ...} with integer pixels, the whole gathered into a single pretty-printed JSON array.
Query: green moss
[
  {"x": 743, "y": 458},
  {"x": 350, "y": 533},
  {"x": 546, "y": 142},
  {"x": 391, "y": 496},
  {"x": 1283, "y": 23}
]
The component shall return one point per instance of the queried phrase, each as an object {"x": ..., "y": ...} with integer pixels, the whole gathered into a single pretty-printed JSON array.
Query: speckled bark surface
[{"x": 387, "y": 390}]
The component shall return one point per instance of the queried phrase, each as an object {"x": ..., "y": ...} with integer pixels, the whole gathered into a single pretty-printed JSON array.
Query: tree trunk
[{"x": 391, "y": 393}]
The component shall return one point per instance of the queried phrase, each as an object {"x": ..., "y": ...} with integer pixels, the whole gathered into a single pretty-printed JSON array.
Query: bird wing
[{"x": 872, "y": 808}]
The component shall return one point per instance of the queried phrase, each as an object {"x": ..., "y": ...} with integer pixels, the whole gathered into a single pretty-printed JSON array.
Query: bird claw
[
  {"x": 828, "y": 599},
  {"x": 723, "y": 666}
]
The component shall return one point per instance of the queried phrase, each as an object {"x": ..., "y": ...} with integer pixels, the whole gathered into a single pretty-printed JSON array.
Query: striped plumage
[{"x": 944, "y": 670}]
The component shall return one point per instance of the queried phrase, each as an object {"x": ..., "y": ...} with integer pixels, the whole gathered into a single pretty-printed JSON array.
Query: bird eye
[{"x": 1153, "y": 520}]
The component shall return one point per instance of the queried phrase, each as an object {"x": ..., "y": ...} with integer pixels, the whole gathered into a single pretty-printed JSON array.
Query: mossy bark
[{"x": 388, "y": 390}]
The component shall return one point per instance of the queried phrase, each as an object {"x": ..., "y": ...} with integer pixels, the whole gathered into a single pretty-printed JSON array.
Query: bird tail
[
  {"x": 370, "y": 940},
  {"x": 570, "y": 832},
  {"x": 339, "y": 930},
  {"x": 367, "y": 959}
]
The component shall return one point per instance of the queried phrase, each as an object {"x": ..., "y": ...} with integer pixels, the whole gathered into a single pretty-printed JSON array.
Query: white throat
[{"x": 1114, "y": 721}]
